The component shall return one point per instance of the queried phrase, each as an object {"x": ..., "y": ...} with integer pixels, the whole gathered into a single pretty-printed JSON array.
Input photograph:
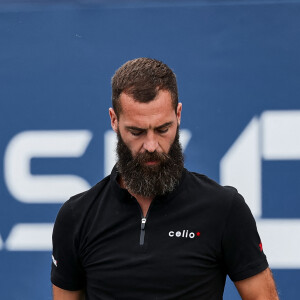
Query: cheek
[
  {"x": 166, "y": 142},
  {"x": 132, "y": 143},
  {"x": 133, "y": 148}
]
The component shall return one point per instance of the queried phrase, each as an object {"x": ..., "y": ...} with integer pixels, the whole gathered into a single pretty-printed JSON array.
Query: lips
[{"x": 151, "y": 163}]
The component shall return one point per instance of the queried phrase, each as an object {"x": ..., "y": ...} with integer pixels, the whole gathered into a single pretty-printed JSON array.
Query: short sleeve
[
  {"x": 66, "y": 271},
  {"x": 241, "y": 244}
]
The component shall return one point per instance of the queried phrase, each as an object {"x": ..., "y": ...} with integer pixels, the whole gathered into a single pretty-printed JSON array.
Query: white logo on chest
[{"x": 183, "y": 234}]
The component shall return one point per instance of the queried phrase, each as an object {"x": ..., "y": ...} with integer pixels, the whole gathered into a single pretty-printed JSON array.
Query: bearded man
[{"x": 152, "y": 229}]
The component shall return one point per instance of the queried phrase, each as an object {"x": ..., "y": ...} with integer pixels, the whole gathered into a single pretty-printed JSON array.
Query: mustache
[{"x": 147, "y": 156}]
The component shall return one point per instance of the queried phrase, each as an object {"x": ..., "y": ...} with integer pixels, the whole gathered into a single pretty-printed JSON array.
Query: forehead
[{"x": 147, "y": 115}]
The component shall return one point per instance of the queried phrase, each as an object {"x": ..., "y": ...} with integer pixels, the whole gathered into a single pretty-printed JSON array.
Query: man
[{"x": 152, "y": 229}]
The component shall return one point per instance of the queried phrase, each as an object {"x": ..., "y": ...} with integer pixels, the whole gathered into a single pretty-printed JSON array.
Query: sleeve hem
[
  {"x": 66, "y": 285},
  {"x": 250, "y": 272}
]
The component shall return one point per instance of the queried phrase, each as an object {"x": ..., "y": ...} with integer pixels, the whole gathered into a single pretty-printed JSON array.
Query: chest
[{"x": 169, "y": 250}]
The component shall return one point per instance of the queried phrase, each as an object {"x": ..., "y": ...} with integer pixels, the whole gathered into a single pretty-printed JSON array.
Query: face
[
  {"x": 147, "y": 126},
  {"x": 150, "y": 158}
]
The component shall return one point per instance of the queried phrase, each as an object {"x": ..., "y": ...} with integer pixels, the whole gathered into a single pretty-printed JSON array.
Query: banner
[{"x": 237, "y": 65}]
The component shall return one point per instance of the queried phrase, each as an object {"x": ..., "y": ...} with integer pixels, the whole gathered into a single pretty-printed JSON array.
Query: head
[
  {"x": 142, "y": 79},
  {"x": 146, "y": 121}
]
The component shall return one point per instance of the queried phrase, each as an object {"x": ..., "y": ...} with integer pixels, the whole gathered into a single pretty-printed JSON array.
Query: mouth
[{"x": 151, "y": 163}]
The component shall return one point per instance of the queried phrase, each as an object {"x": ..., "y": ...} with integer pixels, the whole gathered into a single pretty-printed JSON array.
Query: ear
[
  {"x": 178, "y": 113},
  {"x": 113, "y": 120}
]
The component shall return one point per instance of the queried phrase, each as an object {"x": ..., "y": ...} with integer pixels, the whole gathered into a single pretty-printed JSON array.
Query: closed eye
[
  {"x": 136, "y": 133},
  {"x": 162, "y": 130}
]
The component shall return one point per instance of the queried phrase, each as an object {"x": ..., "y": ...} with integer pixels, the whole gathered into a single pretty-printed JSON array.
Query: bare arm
[
  {"x": 258, "y": 287},
  {"x": 60, "y": 294}
]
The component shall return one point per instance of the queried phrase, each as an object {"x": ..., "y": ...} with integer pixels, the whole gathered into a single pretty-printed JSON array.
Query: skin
[
  {"x": 258, "y": 287},
  {"x": 152, "y": 127},
  {"x": 146, "y": 127}
]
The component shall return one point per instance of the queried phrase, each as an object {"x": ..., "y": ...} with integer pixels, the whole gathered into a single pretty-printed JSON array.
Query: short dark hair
[{"x": 142, "y": 78}]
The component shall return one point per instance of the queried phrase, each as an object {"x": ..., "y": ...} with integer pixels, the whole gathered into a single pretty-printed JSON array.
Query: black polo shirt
[{"x": 183, "y": 249}]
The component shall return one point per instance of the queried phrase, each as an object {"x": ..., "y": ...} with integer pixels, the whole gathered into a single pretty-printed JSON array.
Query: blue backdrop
[{"x": 237, "y": 64}]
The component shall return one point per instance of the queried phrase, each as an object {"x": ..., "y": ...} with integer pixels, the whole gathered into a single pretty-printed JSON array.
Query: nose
[{"x": 151, "y": 143}]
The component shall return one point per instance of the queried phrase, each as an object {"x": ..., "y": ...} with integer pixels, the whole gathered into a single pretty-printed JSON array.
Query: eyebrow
[{"x": 167, "y": 124}]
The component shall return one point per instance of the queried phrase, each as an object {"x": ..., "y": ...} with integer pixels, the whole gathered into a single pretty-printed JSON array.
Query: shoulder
[
  {"x": 82, "y": 202},
  {"x": 206, "y": 185},
  {"x": 92, "y": 193},
  {"x": 209, "y": 194}
]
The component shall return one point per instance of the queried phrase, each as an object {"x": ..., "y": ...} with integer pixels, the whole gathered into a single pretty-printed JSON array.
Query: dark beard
[{"x": 150, "y": 180}]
